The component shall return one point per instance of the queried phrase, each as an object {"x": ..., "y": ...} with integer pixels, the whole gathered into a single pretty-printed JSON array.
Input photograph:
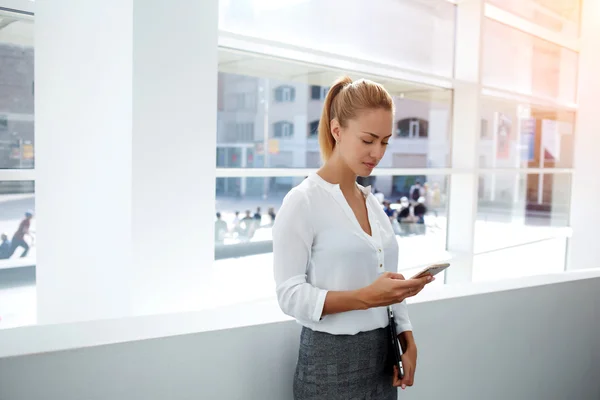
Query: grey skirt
[{"x": 345, "y": 367}]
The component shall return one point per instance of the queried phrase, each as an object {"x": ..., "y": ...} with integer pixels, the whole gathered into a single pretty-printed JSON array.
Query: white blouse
[{"x": 319, "y": 245}]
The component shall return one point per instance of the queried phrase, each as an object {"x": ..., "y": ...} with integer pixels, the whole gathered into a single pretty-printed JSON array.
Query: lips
[{"x": 370, "y": 165}]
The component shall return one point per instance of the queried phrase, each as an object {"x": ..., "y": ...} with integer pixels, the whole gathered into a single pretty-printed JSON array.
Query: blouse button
[{"x": 379, "y": 250}]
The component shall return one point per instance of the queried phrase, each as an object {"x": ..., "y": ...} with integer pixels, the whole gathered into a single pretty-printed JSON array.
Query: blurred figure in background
[
  {"x": 4, "y": 247},
  {"x": 388, "y": 209},
  {"x": 258, "y": 217},
  {"x": 415, "y": 191},
  {"x": 235, "y": 227},
  {"x": 272, "y": 214},
  {"x": 404, "y": 212},
  {"x": 247, "y": 226},
  {"x": 420, "y": 210},
  {"x": 19, "y": 236},
  {"x": 220, "y": 229}
]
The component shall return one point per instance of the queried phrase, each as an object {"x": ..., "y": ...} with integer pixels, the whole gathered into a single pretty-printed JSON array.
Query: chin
[{"x": 364, "y": 172}]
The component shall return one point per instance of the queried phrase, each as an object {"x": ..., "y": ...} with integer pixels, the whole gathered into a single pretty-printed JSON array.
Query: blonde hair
[{"x": 343, "y": 102}]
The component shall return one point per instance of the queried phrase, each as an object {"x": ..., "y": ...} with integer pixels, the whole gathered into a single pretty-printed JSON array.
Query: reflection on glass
[
  {"x": 524, "y": 136},
  {"x": 519, "y": 62},
  {"x": 515, "y": 208},
  {"x": 16, "y": 94},
  {"x": 267, "y": 123},
  {"x": 544, "y": 257},
  {"x": 559, "y": 16},
  {"x": 246, "y": 209}
]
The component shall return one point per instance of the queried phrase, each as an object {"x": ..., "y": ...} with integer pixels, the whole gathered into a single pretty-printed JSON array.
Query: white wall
[{"x": 534, "y": 343}]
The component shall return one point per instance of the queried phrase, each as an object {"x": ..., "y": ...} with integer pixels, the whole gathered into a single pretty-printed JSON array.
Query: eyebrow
[{"x": 376, "y": 136}]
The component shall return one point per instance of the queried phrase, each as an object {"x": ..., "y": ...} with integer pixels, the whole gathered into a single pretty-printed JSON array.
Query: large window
[
  {"x": 247, "y": 203},
  {"x": 526, "y": 144}
]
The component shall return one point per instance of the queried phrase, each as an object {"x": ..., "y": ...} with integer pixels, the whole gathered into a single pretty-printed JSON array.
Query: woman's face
[{"x": 362, "y": 143}]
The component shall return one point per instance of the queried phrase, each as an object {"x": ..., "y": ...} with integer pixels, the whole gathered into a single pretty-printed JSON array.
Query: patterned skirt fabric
[{"x": 345, "y": 367}]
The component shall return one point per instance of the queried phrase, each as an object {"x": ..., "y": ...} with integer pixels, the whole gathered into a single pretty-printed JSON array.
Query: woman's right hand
[{"x": 391, "y": 288}]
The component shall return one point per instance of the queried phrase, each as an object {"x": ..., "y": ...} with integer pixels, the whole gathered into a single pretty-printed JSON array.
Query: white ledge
[{"x": 48, "y": 338}]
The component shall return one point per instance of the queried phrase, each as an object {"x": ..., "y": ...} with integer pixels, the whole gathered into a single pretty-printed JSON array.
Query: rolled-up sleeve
[
  {"x": 292, "y": 243},
  {"x": 401, "y": 317}
]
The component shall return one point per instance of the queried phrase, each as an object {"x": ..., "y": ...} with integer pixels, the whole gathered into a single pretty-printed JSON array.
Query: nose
[{"x": 378, "y": 151}]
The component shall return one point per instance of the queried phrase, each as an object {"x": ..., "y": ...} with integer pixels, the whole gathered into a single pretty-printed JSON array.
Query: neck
[{"x": 335, "y": 171}]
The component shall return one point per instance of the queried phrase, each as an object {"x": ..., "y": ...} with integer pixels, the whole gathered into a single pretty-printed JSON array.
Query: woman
[{"x": 335, "y": 257}]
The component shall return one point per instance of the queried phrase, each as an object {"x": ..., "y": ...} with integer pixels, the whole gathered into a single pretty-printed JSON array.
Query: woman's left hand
[{"x": 409, "y": 364}]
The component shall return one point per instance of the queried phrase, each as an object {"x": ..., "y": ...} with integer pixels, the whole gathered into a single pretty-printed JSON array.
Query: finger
[
  {"x": 395, "y": 275},
  {"x": 410, "y": 283},
  {"x": 408, "y": 378},
  {"x": 396, "y": 381}
]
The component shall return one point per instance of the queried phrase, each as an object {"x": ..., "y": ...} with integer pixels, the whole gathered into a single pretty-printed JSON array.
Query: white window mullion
[
  {"x": 466, "y": 124},
  {"x": 17, "y": 175}
]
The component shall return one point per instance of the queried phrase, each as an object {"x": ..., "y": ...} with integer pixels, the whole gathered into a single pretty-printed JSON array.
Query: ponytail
[
  {"x": 326, "y": 140},
  {"x": 343, "y": 102}
]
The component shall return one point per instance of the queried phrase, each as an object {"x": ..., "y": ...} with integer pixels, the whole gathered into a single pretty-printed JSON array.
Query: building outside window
[
  {"x": 285, "y": 94},
  {"x": 318, "y": 92},
  {"x": 283, "y": 129},
  {"x": 313, "y": 129}
]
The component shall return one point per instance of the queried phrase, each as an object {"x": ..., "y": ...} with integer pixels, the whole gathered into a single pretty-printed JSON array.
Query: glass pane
[
  {"x": 517, "y": 135},
  {"x": 273, "y": 123},
  {"x": 516, "y": 208},
  {"x": 16, "y": 94},
  {"x": 519, "y": 62},
  {"x": 560, "y": 16},
  {"x": 544, "y": 257},
  {"x": 247, "y": 207},
  {"x": 426, "y": 28},
  {"x": 17, "y": 273}
]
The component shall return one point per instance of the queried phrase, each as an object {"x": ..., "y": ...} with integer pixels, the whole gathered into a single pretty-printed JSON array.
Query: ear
[{"x": 335, "y": 129}]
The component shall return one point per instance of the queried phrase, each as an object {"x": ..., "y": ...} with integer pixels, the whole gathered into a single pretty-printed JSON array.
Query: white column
[
  {"x": 125, "y": 134},
  {"x": 466, "y": 127},
  {"x": 584, "y": 251}
]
